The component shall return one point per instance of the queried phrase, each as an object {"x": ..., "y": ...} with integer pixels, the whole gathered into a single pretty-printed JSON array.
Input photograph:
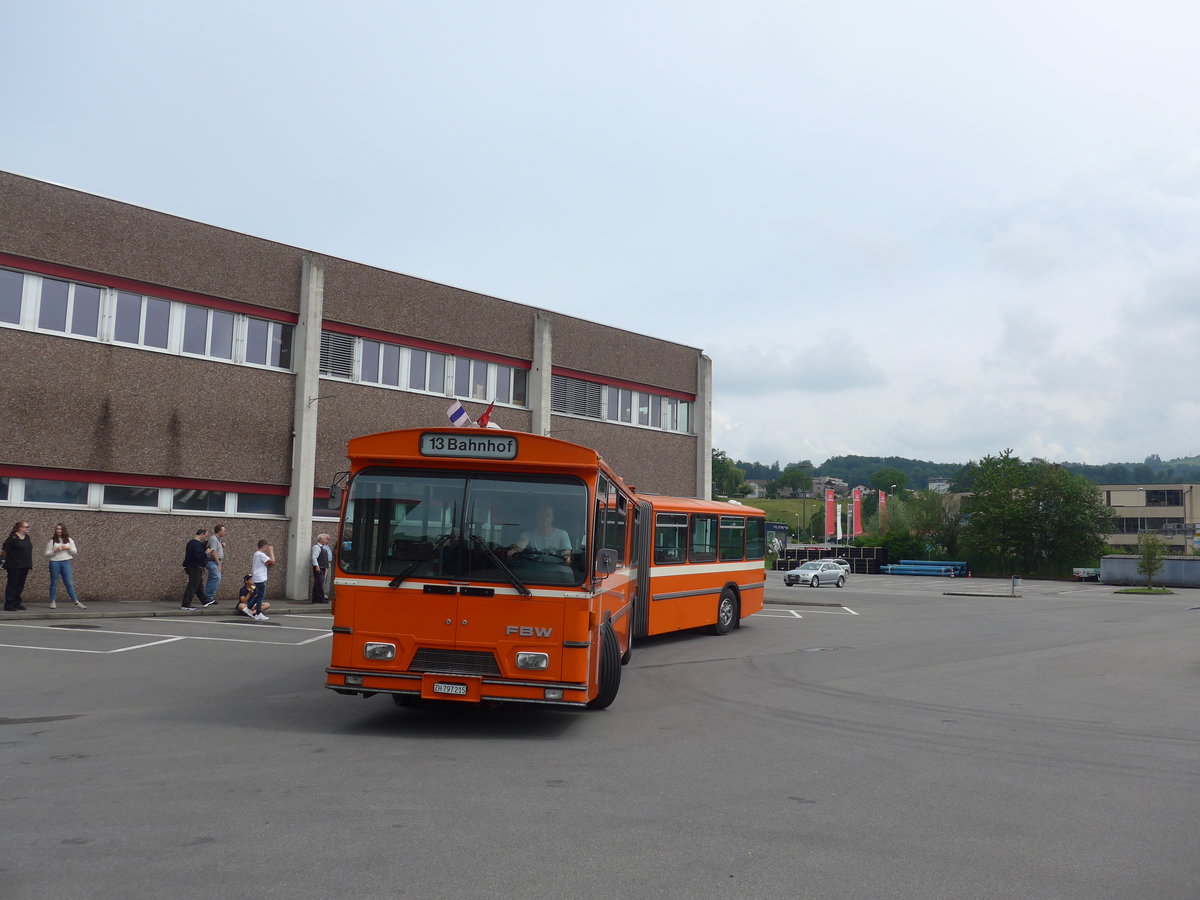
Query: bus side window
[
  {"x": 670, "y": 538},
  {"x": 703, "y": 539}
]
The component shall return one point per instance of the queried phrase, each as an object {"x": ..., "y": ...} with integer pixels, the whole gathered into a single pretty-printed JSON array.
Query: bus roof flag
[
  {"x": 458, "y": 415},
  {"x": 487, "y": 415}
]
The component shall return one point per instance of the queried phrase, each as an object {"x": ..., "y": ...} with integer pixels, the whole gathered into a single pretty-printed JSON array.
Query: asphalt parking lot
[{"x": 900, "y": 742}]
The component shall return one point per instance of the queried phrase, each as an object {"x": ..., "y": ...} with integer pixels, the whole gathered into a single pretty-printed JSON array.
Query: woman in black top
[{"x": 18, "y": 559}]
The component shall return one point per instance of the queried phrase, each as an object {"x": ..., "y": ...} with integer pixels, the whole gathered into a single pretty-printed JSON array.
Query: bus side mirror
[
  {"x": 337, "y": 488},
  {"x": 606, "y": 562}
]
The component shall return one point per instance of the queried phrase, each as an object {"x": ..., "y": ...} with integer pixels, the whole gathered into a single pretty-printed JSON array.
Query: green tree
[
  {"x": 886, "y": 477},
  {"x": 1033, "y": 518},
  {"x": 938, "y": 518},
  {"x": 726, "y": 477},
  {"x": 796, "y": 477},
  {"x": 1152, "y": 550}
]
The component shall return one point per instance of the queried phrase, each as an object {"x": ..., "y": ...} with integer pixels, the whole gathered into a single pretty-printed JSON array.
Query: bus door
[
  {"x": 613, "y": 532},
  {"x": 644, "y": 537}
]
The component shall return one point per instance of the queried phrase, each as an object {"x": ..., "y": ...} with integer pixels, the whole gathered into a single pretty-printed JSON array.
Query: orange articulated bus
[
  {"x": 481, "y": 565},
  {"x": 703, "y": 565}
]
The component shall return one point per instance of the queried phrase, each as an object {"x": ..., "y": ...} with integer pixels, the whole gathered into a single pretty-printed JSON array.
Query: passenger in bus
[{"x": 544, "y": 542}]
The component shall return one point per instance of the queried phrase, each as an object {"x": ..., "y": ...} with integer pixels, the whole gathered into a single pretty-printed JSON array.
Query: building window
[
  {"x": 11, "y": 286},
  {"x": 470, "y": 378},
  {"x": 321, "y": 508},
  {"x": 187, "y": 500},
  {"x": 575, "y": 396},
  {"x": 74, "y": 493},
  {"x": 1164, "y": 498},
  {"x": 337, "y": 354},
  {"x": 644, "y": 408},
  {"x": 207, "y": 332},
  {"x": 269, "y": 343},
  {"x": 122, "y": 495},
  {"x": 52, "y": 314},
  {"x": 67, "y": 307},
  {"x": 125, "y": 317},
  {"x": 142, "y": 320},
  {"x": 261, "y": 504}
]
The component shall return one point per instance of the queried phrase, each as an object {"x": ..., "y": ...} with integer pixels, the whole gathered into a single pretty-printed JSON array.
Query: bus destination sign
[{"x": 479, "y": 445}]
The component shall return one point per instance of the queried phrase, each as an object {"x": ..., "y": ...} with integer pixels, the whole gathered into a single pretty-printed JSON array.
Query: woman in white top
[{"x": 61, "y": 550}]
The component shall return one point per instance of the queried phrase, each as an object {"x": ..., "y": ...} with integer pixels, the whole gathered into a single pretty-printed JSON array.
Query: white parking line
[
  {"x": 164, "y": 638},
  {"x": 839, "y": 611},
  {"x": 170, "y": 640}
]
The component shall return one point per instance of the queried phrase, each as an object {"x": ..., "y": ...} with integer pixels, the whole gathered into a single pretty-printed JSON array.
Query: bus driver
[{"x": 543, "y": 542}]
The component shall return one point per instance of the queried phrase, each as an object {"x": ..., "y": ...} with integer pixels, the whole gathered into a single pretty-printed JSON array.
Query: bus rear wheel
[
  {"x": 610, "y": 670},
  {"x": 726, "y": 613}
]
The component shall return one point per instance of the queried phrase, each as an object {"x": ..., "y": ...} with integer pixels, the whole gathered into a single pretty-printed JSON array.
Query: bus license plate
[{"x": 449, "y": 687}]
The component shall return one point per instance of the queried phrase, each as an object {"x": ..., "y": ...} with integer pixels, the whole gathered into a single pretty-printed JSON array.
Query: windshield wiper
[
  {"x": 501, "y": 565},
  {"x": 412, "y": 567}
]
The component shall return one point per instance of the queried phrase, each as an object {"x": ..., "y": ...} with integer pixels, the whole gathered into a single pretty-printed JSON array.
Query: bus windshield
[{"x": 418, "y": 524}]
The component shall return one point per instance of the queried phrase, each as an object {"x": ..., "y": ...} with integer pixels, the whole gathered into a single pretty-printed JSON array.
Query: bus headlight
[
  {"x": 380, "y": 651},
  {"x": 533, "y": 661}
]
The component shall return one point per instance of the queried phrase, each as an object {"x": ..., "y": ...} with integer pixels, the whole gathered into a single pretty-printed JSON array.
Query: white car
[{"x": 817, "y": 571}]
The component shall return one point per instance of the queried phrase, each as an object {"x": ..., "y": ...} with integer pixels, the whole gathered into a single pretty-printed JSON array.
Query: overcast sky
[{"x": 922, "y": 229}]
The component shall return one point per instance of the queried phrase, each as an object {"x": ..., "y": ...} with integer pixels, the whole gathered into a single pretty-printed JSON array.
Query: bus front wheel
[
  {"x": 610, "y": 670},
  {"x": 726, "y": 612}
]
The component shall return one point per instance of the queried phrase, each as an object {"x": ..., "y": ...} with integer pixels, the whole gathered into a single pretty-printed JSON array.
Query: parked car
[
  {"x": 815, "y": 572},
  {"x": 841, "y": 562}
]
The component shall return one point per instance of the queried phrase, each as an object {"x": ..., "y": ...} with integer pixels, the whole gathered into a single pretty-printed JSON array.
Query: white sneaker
[
  {"x": 53, "y": 605},
  {"x": 262, "y": 618},
  {"x": 248, "y": 611}
]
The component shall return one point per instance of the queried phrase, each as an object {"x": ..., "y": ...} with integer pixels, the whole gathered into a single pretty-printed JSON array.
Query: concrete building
[
  {"x": 165, "y": 375},
  {"x": 1168, "y": 510}
]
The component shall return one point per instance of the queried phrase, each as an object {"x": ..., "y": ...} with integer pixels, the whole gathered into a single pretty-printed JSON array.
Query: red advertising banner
[
  {"x": 883, "y": 521},
  {"x": 856, "y": 528},
  {"x": 830, "y": 513}
]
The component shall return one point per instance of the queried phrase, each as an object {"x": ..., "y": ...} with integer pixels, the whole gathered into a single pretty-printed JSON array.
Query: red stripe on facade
[
  {"x": 385, "y": 337},
  {"x": 69, "y": 273},
  {"x": 619, "y": 383},
  {"x": 150, "y": 481}
]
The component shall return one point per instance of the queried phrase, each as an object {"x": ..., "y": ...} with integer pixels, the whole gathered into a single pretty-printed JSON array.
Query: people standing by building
[
  {"x": 62, "y": 550},
  {"x": 18, "y": 560},
  {"x": 216, "y": 556},
  {"x": 194, "y": 555},
  {"x": 321, "y": 557},
  {"x": 263, "y": 559}
]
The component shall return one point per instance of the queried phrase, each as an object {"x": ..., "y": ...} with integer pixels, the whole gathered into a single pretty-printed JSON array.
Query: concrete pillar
[
  {"x": 702, "y": 423},
  {"x": 306, "y": 357},
  {"x": 539, "y": 374}
]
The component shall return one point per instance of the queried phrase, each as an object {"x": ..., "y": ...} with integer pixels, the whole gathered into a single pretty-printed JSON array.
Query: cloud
[{"x": 823, "y": 360}]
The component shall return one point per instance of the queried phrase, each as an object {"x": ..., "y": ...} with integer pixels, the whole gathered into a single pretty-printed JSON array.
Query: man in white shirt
[{"x": 263, "y": 558}]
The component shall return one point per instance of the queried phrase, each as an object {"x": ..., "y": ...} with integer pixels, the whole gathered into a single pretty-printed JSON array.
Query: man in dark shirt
[{"x": 195, "y": 558}]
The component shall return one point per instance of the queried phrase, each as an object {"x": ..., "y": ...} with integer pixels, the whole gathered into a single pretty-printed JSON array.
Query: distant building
[
  {"x": 1168, "y": 510},
  {"x": 939, "y": 485},
  {"x": 822, "y": 483}
]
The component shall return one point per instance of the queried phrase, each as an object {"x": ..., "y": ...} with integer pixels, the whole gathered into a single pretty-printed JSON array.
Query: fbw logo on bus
[{"x": 527, "y": 631}]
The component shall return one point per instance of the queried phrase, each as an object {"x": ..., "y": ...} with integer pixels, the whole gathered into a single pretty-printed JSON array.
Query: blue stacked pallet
[{"x": 944, "y": 568}]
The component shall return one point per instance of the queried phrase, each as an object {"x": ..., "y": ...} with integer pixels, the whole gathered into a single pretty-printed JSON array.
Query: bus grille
[{"x": 454, "y": 662}]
